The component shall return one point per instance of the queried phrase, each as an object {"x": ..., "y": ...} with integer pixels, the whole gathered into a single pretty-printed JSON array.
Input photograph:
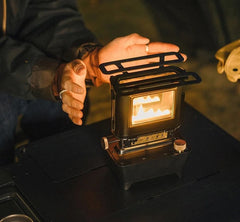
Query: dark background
[{"x": 200, "y": 28}]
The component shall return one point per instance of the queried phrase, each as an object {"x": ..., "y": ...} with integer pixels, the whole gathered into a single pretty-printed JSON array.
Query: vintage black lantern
[{"x": 147, "y": 101}]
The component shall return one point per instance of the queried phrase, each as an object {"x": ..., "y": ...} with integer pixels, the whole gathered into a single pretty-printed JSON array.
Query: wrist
[{"x": 91, "y": 61}]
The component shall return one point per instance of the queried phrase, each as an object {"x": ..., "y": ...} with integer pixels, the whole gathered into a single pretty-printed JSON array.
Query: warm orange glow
[
  {"x": 145, "y": 115},
  {"x": 153, "y": 107},
  {"x": 145, "y": 99}
]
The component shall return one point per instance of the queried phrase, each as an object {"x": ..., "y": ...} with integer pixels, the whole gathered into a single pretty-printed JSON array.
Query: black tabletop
[{"x": 67, "y": 177}]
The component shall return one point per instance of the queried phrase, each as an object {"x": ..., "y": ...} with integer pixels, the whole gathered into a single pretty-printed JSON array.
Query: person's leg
[
  {"x": 44, "y": 118},
  {"x": 10, "y": 108}
]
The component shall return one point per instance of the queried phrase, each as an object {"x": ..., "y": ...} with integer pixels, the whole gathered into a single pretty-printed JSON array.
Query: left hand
[{"x": 73, "y": 81}]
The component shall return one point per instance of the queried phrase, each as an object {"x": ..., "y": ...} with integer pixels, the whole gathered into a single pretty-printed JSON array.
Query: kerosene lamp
[{"x": 147, "y": 101}]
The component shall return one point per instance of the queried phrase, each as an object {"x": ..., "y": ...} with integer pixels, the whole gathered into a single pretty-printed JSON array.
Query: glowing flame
[
  {"x": 148, "y": 99},
  {"x": 149, "y": 114},
  {"x": 148, "y": 108}
]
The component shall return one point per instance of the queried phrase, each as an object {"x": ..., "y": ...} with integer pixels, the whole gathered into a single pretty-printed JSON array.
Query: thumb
[
  {"x": 79, "y": 67},
  {"x": 80, "y": 71}
]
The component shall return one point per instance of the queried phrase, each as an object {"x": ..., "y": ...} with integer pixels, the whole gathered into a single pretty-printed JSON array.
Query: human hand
[
  {"x": 125, "y": 47},
  {"x": 73, "y": 76}
]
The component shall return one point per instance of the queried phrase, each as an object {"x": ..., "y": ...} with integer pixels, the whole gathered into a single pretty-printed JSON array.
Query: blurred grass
[{"x": 215, "y": 97}]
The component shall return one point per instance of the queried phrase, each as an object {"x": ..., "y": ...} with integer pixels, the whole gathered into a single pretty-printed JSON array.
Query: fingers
[
  {"x": 135, "y": 41},
  {"x": 160, "y": 47},
  {"x": 184, "y": 56},
  {"x": 70, "y": 101},
  {"x": 74, "y": 114},
  {"x": 71, "y": 86},
  {"x": 72, "y": 111},
  {"x": 73, "y": 107},
  {"x": 154, "y": 48},
  {"x": 77, "y": 121},
  {"x": 74, "y": 76},
  {"x": 78, "y": 67},
  {"x": 73, "y": 81}
]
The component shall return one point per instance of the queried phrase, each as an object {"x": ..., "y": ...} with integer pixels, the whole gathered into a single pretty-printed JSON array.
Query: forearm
[
  {"x": 56, "y": 28},
  {"x": 25, "y": 70},
  {"x": 50, "y": 33}
]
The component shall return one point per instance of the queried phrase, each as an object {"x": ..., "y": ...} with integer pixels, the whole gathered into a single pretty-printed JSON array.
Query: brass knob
[
  {"x": 180, "y": 145},
  {"x": 105, "y": 144}
]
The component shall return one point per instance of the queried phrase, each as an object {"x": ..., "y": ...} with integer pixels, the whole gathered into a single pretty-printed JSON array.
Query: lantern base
[{"x": 147, "y": 164}]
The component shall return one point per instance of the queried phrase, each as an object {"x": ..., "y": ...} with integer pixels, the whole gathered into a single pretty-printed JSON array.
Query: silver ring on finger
[
  {"x": 61, "y": 92},
  {"x": 146, "y": 48}
]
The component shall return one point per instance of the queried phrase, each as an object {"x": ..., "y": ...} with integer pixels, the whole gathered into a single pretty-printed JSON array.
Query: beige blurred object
[{"x": 229, "y": 60}]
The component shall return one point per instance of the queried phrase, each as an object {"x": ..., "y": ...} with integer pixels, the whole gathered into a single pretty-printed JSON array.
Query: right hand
[{"x": 125, "y": 47}]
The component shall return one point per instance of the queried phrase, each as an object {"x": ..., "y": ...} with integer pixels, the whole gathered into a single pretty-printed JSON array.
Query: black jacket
[{"x": 39, "y": 35}]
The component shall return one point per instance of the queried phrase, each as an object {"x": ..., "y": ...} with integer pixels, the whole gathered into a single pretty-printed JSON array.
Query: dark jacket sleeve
[{"x": 40, "y": 35}]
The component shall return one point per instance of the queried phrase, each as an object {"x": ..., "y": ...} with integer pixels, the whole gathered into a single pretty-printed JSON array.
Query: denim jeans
[{"x": 40, "y": 118}]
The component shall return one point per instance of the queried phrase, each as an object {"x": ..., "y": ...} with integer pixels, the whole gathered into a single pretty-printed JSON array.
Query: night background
[
  {"x": 87, "y": 174},
  {"x": 199, "y": 28}
]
